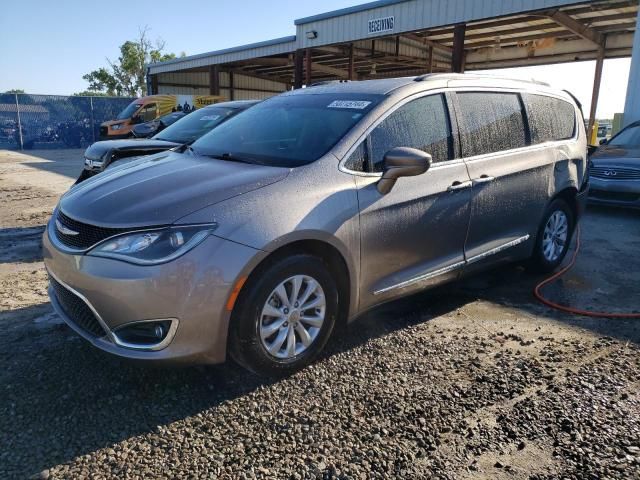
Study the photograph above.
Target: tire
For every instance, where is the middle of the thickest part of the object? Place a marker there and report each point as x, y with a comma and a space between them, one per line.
246, 345
549, 254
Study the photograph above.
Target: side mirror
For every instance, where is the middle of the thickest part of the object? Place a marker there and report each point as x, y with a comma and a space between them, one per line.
603, 141
402, 162
136, 119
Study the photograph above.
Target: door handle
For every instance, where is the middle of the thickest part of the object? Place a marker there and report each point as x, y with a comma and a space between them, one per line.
484, 179
457, 185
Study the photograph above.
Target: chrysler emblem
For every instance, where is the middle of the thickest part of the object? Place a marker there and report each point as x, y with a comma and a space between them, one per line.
610, 173
64, 230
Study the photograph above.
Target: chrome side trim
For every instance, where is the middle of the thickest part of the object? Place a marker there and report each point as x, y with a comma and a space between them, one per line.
454, 266
153, 347
498, 249
424, 276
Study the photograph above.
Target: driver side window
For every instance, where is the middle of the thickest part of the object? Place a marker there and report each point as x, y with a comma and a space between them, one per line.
422, 123
149, 112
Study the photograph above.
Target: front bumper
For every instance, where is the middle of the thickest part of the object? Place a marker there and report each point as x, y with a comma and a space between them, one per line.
618, 193
192, 291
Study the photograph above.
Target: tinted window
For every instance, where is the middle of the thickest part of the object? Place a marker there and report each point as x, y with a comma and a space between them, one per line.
129, 111
627, 137
196, 124
491, 122
171, 118
550, 118
422, 123
287, 130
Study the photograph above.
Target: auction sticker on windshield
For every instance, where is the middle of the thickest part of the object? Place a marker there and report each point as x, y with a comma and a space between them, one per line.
357, 104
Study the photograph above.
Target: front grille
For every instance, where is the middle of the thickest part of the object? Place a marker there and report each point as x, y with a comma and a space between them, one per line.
87, 235
76, 309
615, 173
616, 196
103, 132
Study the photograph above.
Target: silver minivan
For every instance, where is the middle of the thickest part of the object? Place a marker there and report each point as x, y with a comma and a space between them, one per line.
311, 208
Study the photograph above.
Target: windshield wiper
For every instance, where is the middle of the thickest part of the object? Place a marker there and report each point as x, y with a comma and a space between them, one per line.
183, 148
232, 158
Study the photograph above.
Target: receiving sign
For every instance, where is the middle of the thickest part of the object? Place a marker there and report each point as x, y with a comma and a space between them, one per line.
378, 25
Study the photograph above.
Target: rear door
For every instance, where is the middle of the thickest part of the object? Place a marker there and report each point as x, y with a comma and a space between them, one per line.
414, 235
510, 178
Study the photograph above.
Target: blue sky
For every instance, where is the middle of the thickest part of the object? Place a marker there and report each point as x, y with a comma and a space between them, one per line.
46, 46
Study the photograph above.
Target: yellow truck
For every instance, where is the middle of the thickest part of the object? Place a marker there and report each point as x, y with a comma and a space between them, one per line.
149, 108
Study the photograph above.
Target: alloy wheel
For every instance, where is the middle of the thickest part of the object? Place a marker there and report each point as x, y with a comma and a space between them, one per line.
292, 317
555, 235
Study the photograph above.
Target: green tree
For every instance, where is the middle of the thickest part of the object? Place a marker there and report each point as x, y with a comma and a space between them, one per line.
127, 75
90, 93
15, 90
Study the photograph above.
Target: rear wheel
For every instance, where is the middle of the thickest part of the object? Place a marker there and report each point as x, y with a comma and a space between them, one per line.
284, 316
554, 237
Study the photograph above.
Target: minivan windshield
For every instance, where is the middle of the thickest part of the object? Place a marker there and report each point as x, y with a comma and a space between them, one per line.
627, 137
287, 130
195, 124
129, 111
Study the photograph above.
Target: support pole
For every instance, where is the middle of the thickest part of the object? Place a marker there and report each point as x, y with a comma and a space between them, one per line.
232, 93
154, 84
307, 67
214, 80
351, 64
298, 70
430, 60
457, 61
632, 103
596, 90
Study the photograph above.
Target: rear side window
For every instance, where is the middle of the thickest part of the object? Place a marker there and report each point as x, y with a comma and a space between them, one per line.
550, 119
490, 122
422, 123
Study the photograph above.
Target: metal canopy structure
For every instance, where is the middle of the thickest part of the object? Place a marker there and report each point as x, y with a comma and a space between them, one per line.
391, 38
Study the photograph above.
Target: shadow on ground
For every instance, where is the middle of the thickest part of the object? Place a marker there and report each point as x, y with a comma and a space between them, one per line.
52, 379
50, 369
21, 245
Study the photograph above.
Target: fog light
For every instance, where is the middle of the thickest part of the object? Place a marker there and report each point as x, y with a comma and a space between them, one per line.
159, 331
145, 335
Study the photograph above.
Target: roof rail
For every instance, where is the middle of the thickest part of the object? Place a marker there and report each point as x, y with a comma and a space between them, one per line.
328, 82
454, 76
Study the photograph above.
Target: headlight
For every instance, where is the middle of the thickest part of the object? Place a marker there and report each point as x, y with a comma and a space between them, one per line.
117, 126
153, 247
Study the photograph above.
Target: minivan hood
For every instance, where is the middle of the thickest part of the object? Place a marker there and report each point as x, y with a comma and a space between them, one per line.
162, 188
98, 150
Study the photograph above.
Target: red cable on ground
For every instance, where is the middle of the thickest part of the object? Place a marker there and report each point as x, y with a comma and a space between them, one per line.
564, 308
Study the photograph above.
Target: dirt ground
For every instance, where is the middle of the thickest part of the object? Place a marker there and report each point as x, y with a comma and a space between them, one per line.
472, 380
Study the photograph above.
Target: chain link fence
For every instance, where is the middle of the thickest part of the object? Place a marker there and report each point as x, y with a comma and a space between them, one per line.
54, 121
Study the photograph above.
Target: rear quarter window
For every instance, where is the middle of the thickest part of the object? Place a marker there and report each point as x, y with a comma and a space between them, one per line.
490, 122
550, 119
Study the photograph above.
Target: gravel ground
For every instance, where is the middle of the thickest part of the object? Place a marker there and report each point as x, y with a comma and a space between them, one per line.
472, 380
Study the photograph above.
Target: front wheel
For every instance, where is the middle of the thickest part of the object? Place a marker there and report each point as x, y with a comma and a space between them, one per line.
554, 237
284, 316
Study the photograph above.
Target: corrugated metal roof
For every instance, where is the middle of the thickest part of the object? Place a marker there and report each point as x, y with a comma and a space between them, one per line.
346, 11
349, 25
242, 52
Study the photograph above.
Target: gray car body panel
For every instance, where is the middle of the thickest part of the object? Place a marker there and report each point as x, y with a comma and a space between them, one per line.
615, 157
418, 235
160, 189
